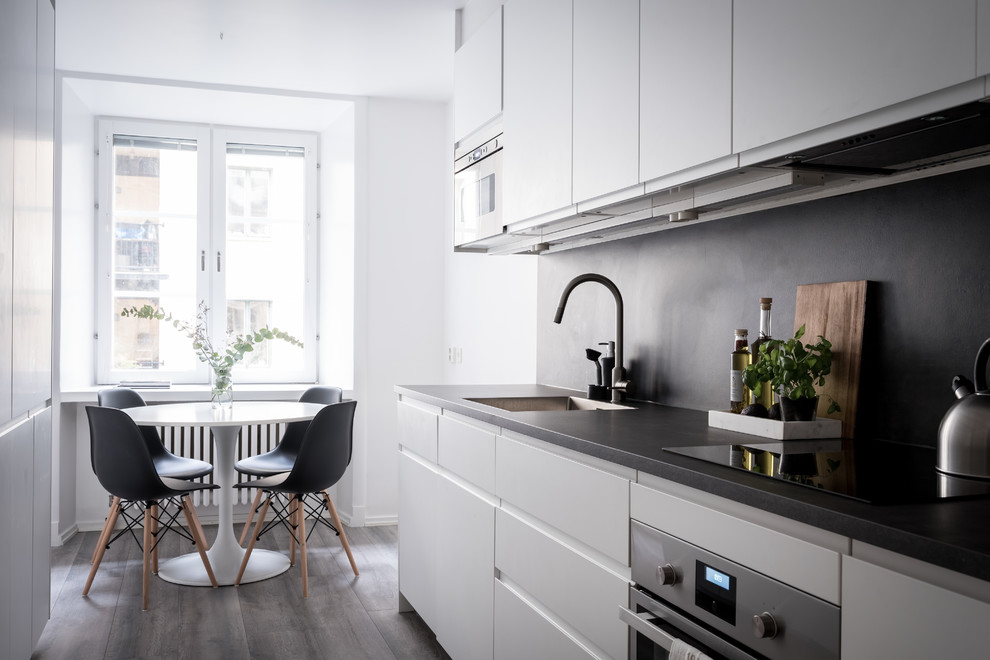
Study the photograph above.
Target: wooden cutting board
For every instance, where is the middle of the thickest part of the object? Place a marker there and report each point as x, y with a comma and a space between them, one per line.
836, 310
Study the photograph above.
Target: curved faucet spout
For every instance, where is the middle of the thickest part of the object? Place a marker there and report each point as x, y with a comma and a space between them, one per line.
618, 373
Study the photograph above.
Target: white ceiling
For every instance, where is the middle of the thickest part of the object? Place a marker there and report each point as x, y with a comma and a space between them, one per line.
390, 48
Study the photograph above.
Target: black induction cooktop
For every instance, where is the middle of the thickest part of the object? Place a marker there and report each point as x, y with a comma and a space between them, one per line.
875, 471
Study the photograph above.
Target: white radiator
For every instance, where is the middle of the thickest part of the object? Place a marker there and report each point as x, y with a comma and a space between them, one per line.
195, 442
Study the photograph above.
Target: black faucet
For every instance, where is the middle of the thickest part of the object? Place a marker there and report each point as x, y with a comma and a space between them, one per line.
619, 382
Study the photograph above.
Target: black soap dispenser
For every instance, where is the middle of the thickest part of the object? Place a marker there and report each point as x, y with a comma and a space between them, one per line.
608, 363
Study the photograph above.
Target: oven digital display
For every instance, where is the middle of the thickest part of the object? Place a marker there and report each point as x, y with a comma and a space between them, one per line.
717, 578
715, 592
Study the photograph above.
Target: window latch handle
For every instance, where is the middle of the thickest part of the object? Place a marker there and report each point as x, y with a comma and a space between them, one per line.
202, 261
218, 261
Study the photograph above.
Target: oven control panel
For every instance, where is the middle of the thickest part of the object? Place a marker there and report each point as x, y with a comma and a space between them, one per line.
757, 611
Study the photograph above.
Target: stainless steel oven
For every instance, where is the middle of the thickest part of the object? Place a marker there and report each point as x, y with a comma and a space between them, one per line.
478, 187
688, 599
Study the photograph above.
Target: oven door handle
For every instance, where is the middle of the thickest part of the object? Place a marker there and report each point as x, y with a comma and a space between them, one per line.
641, 624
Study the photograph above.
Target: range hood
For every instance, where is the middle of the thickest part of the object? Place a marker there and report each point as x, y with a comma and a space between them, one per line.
935, 139
926, 145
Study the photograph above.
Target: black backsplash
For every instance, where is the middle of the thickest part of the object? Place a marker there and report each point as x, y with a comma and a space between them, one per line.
924, 245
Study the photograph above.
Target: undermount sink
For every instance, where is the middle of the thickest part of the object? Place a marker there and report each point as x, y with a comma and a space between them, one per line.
547, 403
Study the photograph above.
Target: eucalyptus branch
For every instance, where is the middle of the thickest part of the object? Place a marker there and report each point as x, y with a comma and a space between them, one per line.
220, 361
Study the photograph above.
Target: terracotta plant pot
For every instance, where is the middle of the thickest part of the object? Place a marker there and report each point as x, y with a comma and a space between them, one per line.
798, 410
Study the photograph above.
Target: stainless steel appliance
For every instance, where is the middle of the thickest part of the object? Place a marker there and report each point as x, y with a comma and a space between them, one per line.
684, 593
964, 434
478, 188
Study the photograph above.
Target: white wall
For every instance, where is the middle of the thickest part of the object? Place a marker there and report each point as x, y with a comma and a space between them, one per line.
412, 296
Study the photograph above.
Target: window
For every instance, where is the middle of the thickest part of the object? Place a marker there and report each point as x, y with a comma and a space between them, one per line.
190, 214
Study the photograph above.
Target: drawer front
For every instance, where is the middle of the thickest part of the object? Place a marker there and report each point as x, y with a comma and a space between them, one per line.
586, 503
889, 615
522, 632
468, 451
791, 560
579, 591
418, 430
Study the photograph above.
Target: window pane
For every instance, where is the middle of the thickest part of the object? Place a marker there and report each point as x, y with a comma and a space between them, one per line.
266, 266
154, 249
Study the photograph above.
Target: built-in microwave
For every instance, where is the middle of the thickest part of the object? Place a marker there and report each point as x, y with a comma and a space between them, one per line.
478, 188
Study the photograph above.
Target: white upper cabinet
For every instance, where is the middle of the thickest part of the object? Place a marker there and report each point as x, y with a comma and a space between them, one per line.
478, 78
983, 38
685, 84
606, 96
537, 114
801, 65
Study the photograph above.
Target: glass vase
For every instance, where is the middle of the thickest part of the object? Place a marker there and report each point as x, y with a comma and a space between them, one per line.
222, 394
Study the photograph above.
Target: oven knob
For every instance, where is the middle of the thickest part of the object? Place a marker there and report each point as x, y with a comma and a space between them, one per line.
764, 626
666, 575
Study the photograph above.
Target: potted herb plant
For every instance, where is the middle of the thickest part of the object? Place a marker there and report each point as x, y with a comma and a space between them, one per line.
221, 360
793, 369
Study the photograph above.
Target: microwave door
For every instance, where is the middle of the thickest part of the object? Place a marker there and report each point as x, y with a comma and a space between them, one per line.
477, 202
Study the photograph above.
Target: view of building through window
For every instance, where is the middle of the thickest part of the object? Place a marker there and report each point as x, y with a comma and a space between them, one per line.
157, 258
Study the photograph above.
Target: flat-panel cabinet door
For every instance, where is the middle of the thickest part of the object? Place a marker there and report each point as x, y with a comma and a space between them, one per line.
523, 632
889, 615
606, 97
536, 117
417, 535
465, 567
685, 84
478, 78
42, 523
801, 65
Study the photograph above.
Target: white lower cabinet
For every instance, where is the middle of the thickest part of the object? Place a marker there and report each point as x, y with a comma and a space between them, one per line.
581, 595
417, 534
521, 631
886, 614
465, 559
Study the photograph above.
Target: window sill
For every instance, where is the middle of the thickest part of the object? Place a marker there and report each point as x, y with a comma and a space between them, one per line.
175, 393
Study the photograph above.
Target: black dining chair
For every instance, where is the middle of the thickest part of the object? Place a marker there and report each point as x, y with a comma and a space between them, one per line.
283, 456
124, 467
167, 463
324, 454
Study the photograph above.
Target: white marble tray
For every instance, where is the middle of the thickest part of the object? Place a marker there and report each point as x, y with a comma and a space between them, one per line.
771, 428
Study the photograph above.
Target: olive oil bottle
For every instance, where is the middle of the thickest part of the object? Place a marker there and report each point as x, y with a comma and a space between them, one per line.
765, 394
738, 392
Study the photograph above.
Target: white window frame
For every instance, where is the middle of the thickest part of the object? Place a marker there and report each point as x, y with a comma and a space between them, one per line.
211, 241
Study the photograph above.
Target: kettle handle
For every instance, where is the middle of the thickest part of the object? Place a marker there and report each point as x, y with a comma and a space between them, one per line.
980, 369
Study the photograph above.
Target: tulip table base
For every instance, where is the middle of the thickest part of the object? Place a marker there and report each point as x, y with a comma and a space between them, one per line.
225, 554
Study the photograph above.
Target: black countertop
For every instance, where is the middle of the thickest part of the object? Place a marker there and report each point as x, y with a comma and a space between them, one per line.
951, 533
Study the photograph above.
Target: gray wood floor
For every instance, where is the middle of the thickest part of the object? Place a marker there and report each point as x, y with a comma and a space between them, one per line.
344, 617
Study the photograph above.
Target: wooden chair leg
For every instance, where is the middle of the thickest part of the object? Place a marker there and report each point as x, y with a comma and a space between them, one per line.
340, 528
146, 559
302, 547
107, 530
254, 507
155, 513
254, 538
293, 515
100, 549
195, 521
197, 533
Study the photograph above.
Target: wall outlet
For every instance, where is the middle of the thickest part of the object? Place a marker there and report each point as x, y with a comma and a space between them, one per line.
454, 354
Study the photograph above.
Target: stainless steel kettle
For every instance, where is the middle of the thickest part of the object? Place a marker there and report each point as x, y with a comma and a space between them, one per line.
964, 435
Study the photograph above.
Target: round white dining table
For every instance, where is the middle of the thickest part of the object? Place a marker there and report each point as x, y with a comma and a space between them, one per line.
225, 423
